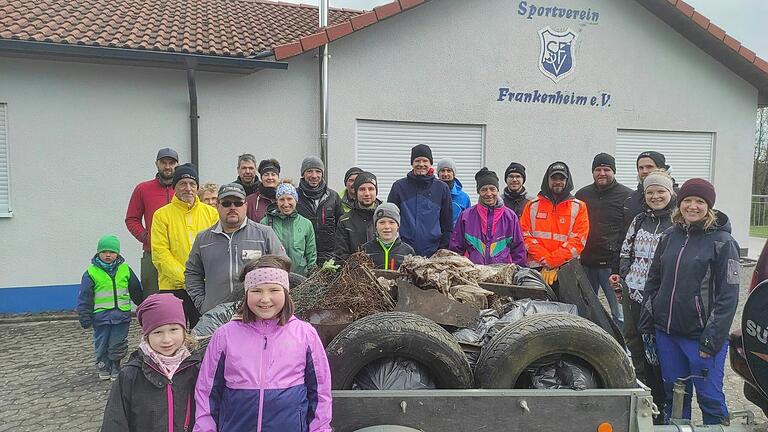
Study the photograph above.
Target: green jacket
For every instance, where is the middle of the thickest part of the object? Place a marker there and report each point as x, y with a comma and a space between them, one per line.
297, 236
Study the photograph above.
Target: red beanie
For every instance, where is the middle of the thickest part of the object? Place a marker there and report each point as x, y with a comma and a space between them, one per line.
697, 187
160, 309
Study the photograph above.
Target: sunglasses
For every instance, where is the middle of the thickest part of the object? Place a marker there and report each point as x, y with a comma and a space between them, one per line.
232, 203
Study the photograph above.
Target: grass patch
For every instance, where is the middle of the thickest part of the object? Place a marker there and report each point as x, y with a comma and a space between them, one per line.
758, 231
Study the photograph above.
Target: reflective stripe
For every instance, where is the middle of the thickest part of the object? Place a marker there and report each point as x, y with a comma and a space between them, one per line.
560, 237
533, 212
575, 206
542, 235
574, 252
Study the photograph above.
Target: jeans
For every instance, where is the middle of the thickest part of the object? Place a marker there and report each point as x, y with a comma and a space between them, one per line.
148, 275
598, 277
106, 338
679, 358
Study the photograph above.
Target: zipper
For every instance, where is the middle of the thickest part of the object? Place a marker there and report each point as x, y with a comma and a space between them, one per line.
261, 385
488, 229
169, 392
186, 417
698, 310
114, 289
323, 216
674, 284
229, 250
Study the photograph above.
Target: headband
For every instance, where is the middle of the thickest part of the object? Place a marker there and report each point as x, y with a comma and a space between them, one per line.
266, 275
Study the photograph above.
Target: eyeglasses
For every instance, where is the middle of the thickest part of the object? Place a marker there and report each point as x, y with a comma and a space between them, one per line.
232, 203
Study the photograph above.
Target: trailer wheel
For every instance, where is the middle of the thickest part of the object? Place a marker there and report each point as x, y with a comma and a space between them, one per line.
517, 346
398, 334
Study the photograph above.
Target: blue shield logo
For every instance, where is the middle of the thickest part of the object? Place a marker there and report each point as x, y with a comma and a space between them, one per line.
556, 60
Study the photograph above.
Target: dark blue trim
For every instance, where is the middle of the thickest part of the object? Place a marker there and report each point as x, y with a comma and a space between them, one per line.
310, 380
48, 298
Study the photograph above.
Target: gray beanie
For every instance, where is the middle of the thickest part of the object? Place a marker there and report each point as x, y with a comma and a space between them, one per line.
388, 210
446, 163
659, 178
312, 162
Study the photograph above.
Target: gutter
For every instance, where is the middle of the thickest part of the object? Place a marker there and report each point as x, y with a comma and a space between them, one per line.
193, 115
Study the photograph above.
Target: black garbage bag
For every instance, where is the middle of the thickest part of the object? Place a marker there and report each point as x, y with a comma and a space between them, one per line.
214, 318
529, 277
393, 373
563, 374
527, 307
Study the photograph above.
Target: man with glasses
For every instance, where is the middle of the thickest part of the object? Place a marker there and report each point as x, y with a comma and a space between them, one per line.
220, 252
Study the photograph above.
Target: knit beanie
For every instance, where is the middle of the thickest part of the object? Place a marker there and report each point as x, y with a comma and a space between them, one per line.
604, 160
486, 177
656, 157
160, 309
312, 162
108, 243
269, 165
286, 189
446, 163
659, 178
421, 150
386, 210
697, 187
350, 172
265, 275
365, 177
185, 171
515, 167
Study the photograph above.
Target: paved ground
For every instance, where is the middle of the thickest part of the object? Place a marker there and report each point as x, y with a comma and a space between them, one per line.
48, 381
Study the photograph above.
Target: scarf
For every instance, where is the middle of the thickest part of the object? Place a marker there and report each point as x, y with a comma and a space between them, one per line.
514, 196
310, 192
163, 181
267, 192
168, 364
109, 268
450, 183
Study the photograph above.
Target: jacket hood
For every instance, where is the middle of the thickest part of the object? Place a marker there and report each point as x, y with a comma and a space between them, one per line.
423, 180
722, 223
568, 184
277, 213
457, 186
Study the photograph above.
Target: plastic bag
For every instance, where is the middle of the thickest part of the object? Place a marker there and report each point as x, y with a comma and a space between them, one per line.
213, 319
393, 373
563, 374
529, 277
527, 307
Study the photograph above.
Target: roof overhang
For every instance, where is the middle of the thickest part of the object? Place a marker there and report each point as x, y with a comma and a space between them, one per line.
134, 57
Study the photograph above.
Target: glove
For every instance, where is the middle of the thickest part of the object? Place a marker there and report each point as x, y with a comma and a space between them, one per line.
549, 275
86, 322
649, 345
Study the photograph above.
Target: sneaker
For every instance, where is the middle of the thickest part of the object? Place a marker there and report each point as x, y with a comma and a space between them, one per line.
104, 375
114, 375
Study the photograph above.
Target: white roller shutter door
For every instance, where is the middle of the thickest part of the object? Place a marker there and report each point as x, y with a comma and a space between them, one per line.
384, 148
689, 154
5, 187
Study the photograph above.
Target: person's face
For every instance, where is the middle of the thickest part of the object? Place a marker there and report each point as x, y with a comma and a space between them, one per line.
446, 174
556, 183
232, 211
107, 256
489, 195
366, 194
657, 197
386, 229
186, 190
421, 165
693, 209
351, 185
270, 179
645, 166
247, 171
266, 300
166, 339
166, 166
603, 176
313, 177
209, 197
515, 182
286, 204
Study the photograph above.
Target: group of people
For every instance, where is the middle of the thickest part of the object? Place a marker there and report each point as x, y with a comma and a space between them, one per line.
663, 251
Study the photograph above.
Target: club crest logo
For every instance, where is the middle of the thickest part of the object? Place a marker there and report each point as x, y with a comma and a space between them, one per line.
556, 59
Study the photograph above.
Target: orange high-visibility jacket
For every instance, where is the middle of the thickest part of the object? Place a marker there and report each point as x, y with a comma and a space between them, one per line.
553, 234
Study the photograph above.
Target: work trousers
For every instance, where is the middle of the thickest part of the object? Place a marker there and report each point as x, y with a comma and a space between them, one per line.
106, 341
599, 278
148, 275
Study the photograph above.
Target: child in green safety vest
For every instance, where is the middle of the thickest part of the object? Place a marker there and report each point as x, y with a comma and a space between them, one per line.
387, 250
104, 303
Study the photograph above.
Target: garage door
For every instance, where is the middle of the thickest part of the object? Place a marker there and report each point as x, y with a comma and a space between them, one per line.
384, 148
689, 154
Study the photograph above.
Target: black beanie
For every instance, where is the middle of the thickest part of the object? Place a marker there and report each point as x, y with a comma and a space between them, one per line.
656, 157
486, 177
365, 177
269, 165
421, 150
604, 160
350, 172
515, 167
185, 171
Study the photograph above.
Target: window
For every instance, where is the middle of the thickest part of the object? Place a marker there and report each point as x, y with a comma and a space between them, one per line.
5, 170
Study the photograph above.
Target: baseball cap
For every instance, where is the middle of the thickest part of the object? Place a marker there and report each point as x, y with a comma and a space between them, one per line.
231, 189
167, 153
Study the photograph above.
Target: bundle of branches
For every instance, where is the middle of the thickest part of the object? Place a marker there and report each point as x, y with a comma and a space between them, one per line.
312, 291
357, 289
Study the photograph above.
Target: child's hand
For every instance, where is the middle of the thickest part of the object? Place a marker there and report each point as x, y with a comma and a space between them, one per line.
86, 323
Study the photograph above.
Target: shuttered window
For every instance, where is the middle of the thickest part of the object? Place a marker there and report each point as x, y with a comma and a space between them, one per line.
689, 154
5, 170
384, 148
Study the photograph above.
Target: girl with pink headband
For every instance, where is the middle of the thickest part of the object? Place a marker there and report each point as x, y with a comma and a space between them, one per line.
266, 371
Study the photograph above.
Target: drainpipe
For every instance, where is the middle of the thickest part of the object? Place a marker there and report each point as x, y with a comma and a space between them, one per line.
193, 116
323, 9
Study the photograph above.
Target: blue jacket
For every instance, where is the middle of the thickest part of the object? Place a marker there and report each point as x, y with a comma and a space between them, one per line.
459, 199
426, 219
112, 316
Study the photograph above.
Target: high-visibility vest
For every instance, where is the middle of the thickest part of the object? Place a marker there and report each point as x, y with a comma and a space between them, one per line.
108, 292
554, 234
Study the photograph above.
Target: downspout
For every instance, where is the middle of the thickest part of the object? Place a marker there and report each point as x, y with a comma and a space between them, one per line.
323, 9
193, 116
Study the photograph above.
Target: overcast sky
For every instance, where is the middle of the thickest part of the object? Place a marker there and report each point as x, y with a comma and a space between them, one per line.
742, 19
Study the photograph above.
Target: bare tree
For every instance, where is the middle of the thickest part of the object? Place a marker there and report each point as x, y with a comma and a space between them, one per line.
760, 167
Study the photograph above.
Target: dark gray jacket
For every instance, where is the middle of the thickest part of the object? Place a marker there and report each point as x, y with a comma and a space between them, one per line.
216, 260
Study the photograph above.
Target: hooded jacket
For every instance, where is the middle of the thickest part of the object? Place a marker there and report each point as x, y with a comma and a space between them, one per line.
85, 298
516, 201
489, 235
606, 224
216, 259
426, 212
139, 399
174, 229
298, 238
459, 199
692, 288
555, 228
261, 376
259, 203
355, 229
387, 259
146, 198
639, 246
322, 207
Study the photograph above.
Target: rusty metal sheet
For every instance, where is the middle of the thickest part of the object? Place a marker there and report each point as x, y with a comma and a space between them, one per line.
434, 305
329, 322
